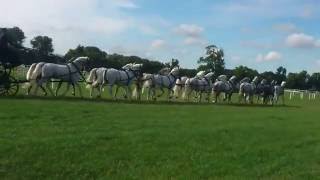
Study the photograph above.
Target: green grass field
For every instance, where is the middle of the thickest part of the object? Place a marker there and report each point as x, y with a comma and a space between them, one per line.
69, 138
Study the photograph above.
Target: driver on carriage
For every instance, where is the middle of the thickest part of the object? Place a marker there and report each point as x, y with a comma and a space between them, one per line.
9, 54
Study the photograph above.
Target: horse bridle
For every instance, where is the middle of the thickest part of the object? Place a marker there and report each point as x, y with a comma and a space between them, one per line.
77, 70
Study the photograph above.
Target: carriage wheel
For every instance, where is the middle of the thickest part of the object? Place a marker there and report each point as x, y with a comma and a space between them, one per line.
10, 87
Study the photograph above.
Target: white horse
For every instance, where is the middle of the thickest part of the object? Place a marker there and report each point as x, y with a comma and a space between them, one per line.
247, 90
279, 91
122, 78
95, 79
199, 85
146, 81
70, 73
163, 81
179, 86
28, 85
31, 82
223, 86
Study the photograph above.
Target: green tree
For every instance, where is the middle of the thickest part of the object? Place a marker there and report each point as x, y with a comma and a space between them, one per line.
15, 37
11, 48
173, 63
214, 60
42, 44
243, 71
314, 81
280, 74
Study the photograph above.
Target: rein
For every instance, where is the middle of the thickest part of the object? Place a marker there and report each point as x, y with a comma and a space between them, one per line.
78, 71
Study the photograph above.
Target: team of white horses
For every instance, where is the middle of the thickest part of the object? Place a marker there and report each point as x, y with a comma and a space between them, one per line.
130, 76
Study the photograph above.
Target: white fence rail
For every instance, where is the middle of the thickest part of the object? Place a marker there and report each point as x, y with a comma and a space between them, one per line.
311, 95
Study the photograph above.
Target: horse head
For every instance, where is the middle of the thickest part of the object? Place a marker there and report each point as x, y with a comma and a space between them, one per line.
127, 66
136, 67
283, 84
175, 71
200, 74
81, 62
222, 78
209, 75
263, 82
164, 71
233, 79
255, 80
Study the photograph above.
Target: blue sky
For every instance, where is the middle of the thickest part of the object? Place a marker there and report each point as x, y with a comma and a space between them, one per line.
261, 34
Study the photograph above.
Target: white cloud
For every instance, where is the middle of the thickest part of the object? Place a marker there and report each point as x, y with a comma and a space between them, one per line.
307, 12
318, 63
189, 30
255, 44
192, 34
235, 58
158, 44
301, 40
286, 27
194, 41
271, 56
70, 22
125, 4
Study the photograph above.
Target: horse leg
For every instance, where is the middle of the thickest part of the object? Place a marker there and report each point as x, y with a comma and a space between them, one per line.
116, 92
128, 93
49, 88
162, 92
73, 89
216, 95
110, 92
65, 92
80, 90
58, 87
100, 88
154, 95
29, 89
208, 97
200, 97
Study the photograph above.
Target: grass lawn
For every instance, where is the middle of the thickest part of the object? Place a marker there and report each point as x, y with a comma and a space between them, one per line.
81, 139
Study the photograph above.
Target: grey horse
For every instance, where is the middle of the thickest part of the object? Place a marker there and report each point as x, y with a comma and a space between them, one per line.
70, 73
247, 90
279, 91
199, 85
226, 87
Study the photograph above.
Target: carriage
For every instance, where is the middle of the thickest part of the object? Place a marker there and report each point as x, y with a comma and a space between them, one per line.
8, 58
9, 86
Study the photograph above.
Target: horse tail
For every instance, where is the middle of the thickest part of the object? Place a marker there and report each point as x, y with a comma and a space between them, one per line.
30, 71
28, 75
147, 78
177, 88
135, 92
37, 71
92, 78
241, 89
92, 75
187, 88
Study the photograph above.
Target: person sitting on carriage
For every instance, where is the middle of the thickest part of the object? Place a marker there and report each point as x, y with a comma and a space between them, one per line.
9, 53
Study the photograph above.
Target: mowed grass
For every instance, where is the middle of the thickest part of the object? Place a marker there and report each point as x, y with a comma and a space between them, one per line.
83, 139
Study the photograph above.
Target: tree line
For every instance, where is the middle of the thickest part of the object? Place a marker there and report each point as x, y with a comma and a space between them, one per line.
14, 52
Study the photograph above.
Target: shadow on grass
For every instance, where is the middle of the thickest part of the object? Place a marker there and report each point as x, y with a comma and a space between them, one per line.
143, 102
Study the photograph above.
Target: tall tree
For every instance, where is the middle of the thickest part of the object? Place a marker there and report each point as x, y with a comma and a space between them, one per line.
173, 63
11, 47
42, 44
214, 60
243, 71
15, 36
